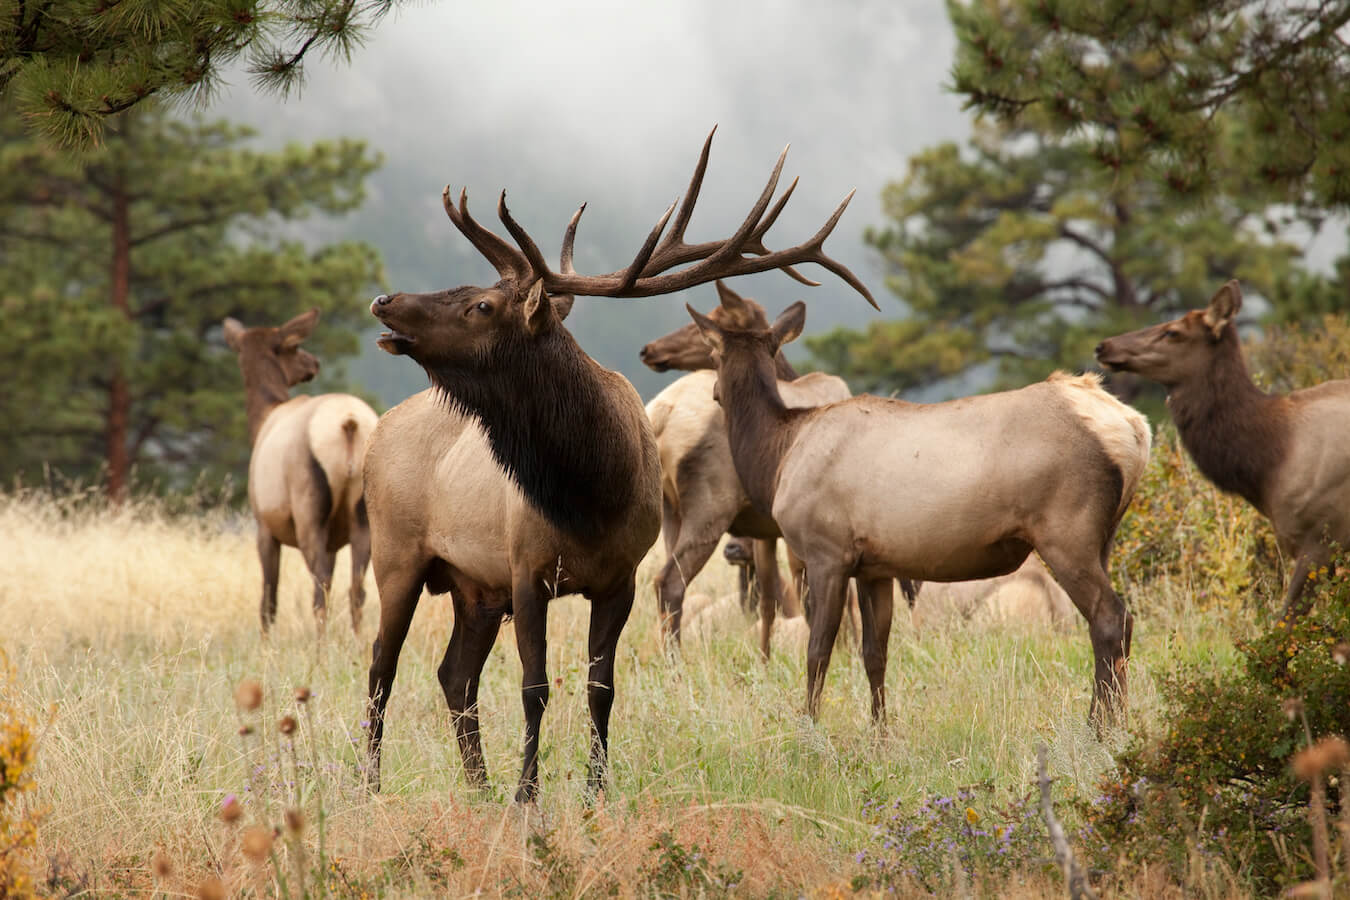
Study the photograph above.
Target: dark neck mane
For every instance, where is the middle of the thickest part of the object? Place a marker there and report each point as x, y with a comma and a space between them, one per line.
552, 424
265, 388
783, 369
759, 426
1236, 433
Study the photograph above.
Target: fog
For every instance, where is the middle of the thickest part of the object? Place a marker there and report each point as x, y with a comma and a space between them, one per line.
608, 103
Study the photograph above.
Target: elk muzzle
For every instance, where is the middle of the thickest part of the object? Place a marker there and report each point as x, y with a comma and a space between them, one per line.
393, 341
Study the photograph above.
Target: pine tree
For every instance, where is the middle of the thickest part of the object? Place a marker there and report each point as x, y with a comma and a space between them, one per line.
1159, 87
116, 269
1020, 252
68, 65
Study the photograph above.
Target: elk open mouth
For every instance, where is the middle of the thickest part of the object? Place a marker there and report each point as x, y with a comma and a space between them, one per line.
395, 342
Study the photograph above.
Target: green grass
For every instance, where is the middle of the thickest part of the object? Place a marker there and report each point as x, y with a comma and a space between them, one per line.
128, 632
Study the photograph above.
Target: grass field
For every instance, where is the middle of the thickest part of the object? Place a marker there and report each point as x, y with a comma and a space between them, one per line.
128, 631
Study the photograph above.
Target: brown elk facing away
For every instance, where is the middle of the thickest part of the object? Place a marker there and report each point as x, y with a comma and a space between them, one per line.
579, 504
304, 476
881, 488
1287, 455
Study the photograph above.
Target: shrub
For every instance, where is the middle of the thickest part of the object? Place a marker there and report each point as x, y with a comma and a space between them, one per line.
18, 822
1215, 788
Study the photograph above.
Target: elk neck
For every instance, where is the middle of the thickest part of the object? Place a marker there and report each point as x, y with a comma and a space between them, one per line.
1237, 434
265, 388
783, 369
760, 428
555, 425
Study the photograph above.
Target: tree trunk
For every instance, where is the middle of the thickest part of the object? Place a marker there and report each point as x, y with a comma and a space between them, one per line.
119, 393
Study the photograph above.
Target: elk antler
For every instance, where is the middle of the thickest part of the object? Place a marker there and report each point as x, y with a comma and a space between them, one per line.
648, 274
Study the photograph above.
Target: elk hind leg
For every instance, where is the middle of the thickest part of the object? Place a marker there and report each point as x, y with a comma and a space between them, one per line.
1110, 626
360, 543
876, 602
691, 554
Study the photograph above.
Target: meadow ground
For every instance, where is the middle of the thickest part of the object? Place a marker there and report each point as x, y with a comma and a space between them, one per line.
127, 633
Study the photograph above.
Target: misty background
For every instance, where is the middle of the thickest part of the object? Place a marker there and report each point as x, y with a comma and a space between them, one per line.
608, 103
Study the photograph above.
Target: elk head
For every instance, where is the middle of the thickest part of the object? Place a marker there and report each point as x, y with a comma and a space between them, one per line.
1179, 350
466, 329
744, 356
274, 354
684, 348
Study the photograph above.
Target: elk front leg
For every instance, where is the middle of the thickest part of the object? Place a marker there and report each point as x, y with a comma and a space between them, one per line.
269, 554
876, 601
828, 586
529, 606
400, 588
609, 613
691, 555
770, 589
475, 631
1299, 597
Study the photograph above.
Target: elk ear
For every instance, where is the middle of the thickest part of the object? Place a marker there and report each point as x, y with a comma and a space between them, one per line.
299, 328
729, 299
788, 326
562, 304
538, 308
712, 335
1223, 306
233, 330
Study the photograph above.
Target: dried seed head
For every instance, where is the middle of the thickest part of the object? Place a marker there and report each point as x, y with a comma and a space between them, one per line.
295, 821
161, 865
1293, 708
248, 695
302, 695
245, 730
1341, 653
256, 842
1328, 754
230, 810
211, 889
287, 725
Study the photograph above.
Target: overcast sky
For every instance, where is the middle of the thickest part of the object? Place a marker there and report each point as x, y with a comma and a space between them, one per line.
608, 103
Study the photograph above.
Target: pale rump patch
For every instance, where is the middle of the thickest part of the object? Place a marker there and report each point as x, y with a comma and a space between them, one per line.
338, 431
1122, 429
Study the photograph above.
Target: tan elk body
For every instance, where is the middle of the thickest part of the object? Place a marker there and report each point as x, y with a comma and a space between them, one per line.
701, 494
304, 474
880, 488
530, 471
1288, 455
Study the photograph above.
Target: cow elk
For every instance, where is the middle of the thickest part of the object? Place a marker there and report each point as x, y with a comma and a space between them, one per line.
879, 488
1287, 455
304, 476
531, 471
701, 495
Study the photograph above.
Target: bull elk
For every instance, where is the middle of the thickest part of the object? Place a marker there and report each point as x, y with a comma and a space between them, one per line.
1287, 455
880, 488
304, 475
577, 503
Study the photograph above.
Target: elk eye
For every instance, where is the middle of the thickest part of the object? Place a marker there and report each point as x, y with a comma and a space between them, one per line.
1172, 333
484, 306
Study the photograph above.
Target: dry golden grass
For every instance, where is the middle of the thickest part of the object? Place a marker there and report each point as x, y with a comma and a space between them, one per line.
136, 628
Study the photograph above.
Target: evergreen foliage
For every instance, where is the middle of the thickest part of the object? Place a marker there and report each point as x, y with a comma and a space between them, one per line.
1159, 88
1019, 250
116, 269
69, 65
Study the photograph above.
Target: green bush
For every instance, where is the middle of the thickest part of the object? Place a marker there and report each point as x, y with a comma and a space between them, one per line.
1215, 788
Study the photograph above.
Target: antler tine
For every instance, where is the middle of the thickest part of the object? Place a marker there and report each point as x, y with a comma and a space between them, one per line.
676, 235
569, 237
538, 268
755, 243
507, 260
734, 245
817, 245
630, 275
